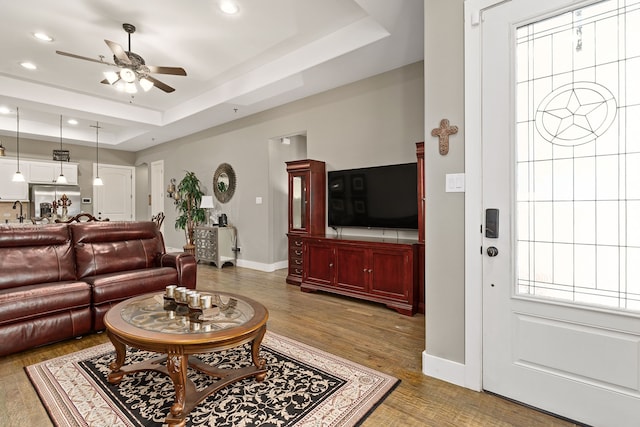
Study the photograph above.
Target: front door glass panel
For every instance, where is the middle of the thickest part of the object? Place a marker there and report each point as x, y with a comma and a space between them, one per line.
578, 156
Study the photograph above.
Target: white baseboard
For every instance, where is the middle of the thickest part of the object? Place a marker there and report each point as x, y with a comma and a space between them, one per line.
249, 264
443, 369
262, 266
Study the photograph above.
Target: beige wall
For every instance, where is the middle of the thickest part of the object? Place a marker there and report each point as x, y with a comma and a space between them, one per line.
375, 121
444, 98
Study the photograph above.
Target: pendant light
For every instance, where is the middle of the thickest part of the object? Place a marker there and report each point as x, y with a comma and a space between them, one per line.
61, 179
97, 181
18, 177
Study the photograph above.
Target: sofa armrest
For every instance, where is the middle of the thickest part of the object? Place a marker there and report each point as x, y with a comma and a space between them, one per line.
184, 263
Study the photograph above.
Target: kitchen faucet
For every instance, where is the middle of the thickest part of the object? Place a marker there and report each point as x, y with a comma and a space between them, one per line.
21, 217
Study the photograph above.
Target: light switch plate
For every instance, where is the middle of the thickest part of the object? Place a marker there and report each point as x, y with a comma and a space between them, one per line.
454, 183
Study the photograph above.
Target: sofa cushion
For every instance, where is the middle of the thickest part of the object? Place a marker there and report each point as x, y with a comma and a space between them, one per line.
43, 330
35, 254
33, 301
109, 247
118, 286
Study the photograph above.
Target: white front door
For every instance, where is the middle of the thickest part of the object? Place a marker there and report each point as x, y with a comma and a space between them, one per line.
114, 199
561, 163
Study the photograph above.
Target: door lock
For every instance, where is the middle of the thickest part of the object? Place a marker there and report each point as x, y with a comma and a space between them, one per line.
492, 251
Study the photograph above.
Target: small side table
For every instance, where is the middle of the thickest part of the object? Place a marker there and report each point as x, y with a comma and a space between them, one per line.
216, 244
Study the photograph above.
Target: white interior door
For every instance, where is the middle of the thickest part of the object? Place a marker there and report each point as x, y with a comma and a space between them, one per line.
561, 162
114, 199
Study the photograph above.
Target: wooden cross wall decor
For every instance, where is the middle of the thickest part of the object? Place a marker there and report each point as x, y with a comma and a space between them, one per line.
443, 133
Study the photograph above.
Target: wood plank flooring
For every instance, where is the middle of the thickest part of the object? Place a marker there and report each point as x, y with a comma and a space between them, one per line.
366, 333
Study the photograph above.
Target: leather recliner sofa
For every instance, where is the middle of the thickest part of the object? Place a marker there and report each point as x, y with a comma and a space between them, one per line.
57, 281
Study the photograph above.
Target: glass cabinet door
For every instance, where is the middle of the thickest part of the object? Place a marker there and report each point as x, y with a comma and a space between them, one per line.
298, 202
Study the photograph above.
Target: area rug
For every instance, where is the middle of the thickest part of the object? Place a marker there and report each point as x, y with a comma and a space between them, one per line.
304, 387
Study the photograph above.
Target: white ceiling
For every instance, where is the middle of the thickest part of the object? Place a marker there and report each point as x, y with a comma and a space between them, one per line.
270, 53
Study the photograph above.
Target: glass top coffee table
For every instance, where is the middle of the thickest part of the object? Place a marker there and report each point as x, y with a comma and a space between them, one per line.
178, 331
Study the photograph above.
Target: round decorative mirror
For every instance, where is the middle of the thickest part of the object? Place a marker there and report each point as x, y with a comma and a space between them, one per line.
224, 182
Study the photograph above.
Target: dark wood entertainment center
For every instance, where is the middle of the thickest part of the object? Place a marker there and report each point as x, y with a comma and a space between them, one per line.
383, 270
379, 270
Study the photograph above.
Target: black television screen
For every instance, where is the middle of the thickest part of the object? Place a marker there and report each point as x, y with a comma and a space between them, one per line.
375, 197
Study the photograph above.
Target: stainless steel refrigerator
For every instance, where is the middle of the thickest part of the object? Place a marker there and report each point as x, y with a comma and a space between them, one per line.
41, 197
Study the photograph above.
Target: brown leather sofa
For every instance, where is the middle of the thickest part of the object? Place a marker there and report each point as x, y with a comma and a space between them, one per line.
58, 280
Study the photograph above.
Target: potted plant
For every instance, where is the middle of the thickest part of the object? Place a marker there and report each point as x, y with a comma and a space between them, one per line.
188, 205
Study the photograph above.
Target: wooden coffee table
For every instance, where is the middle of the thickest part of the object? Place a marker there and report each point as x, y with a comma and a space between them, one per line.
142, 322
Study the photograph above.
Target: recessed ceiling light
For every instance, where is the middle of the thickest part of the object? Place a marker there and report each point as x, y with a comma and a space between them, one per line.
43, 37
4, 110
28, 65
72, 121
229, 7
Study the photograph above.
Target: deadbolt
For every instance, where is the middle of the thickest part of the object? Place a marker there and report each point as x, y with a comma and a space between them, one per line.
492, 251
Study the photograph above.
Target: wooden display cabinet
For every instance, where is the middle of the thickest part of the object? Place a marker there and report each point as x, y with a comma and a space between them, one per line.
373, 269
307, 190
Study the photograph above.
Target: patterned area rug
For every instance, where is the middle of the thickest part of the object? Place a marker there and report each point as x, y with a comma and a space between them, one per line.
304, 387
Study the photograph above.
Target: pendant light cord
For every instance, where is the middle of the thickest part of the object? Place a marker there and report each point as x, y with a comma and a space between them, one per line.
97, 181
60, 144
97, 161
18, 136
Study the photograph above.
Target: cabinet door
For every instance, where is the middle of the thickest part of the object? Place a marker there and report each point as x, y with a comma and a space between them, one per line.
392, 274
9, 190
226, 245
42, 172
70, 172
352, 270
47, 172
318, 263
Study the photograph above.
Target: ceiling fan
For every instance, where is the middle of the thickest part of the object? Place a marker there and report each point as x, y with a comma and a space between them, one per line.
132, 67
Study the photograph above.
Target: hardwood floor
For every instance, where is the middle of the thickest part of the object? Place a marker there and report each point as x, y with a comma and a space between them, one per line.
363, 332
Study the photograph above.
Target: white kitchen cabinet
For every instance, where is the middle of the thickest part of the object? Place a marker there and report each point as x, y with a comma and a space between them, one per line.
11, 191
47, 172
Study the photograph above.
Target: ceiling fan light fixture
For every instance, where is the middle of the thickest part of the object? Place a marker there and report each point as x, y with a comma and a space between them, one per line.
128, 75
111, 76
146, 84
130, 88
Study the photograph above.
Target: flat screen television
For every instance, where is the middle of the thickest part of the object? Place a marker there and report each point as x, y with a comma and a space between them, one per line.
374, 197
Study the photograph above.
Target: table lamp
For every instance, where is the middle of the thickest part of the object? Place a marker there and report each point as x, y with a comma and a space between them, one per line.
207, 203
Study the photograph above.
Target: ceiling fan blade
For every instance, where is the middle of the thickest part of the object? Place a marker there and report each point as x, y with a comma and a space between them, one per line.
73, 55
162, 86
176, 71
118, 51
